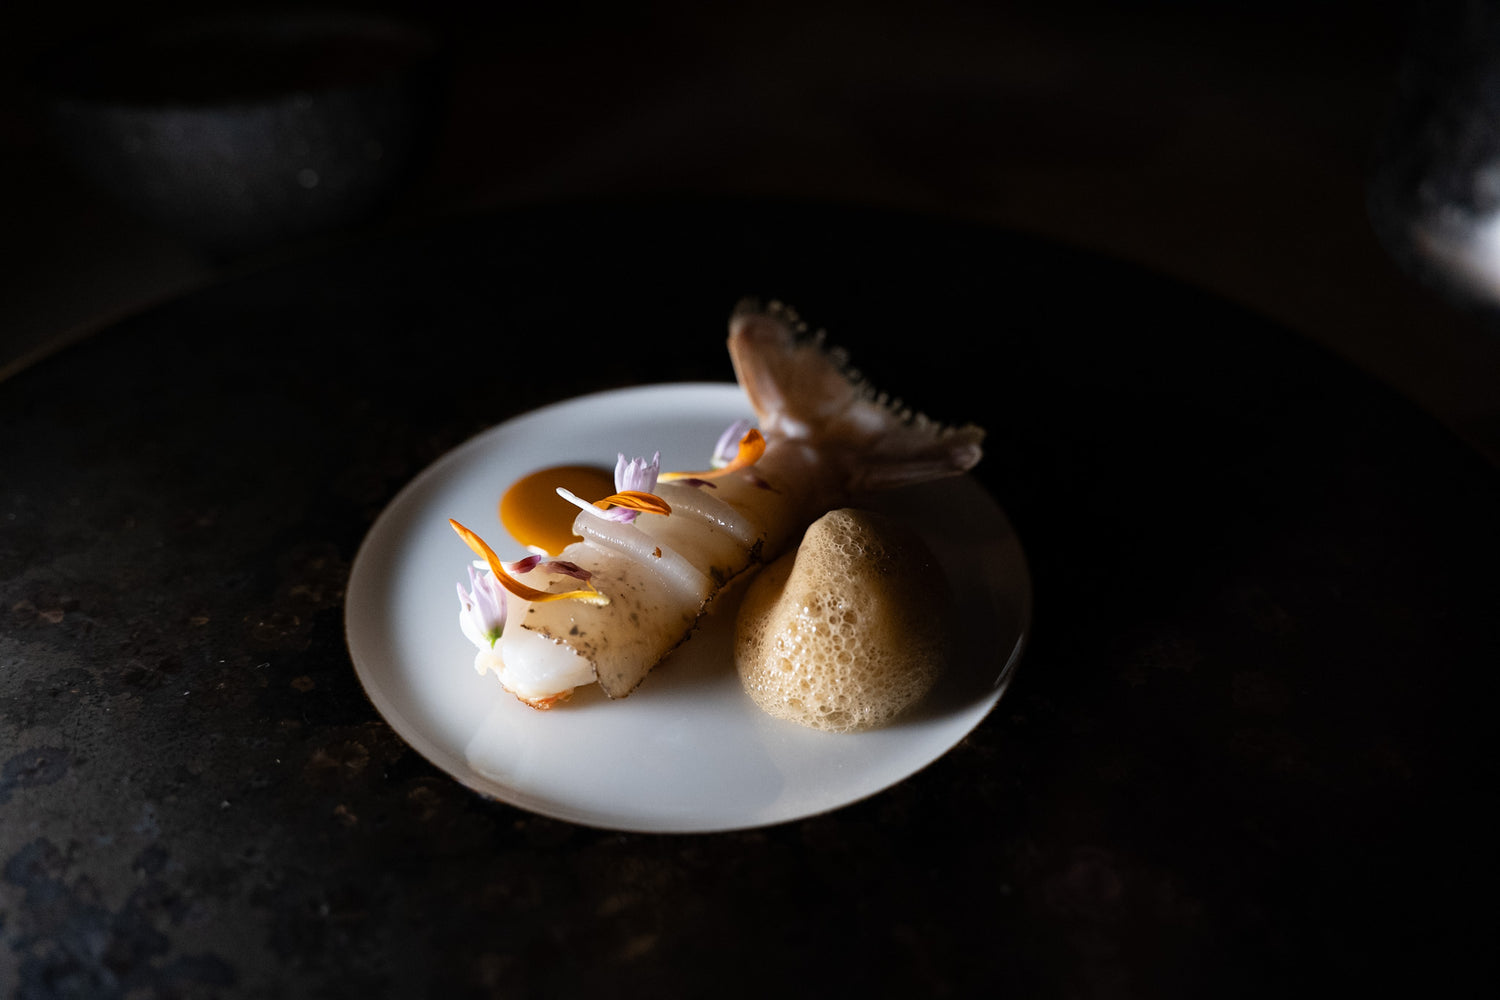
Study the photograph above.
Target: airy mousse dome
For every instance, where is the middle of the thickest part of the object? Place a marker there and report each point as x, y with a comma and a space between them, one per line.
850, 630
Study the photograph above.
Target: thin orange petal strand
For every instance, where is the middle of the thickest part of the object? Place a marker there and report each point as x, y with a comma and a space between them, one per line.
648, 503
510, 583
752, 446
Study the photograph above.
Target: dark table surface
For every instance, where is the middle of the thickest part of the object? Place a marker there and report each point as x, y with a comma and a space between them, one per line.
1244, 753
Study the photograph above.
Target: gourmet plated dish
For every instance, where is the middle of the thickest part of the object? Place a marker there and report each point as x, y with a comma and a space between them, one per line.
650, 556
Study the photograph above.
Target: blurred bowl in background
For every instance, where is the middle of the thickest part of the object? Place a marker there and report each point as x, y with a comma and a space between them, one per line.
248, 132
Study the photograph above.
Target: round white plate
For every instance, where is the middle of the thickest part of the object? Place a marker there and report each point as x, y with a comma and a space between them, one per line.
687, 751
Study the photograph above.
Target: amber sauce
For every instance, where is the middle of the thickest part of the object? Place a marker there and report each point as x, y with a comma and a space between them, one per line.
537, 517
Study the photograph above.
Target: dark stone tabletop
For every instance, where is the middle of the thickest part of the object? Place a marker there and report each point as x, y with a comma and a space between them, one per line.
1245, 753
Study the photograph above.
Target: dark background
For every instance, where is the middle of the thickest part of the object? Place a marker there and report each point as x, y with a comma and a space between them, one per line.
1129, 825
1225, 144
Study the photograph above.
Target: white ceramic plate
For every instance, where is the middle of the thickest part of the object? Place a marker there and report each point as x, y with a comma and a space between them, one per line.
687, 751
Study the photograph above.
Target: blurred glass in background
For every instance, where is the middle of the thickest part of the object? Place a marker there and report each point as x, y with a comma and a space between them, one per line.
1434, 192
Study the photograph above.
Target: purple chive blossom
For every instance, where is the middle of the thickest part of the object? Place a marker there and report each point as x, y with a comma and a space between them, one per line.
729, 443
484, 605
637, 475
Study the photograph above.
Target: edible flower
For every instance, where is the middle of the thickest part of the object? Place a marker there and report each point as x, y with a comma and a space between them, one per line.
484, 605
634, 481
500, 575
637, 475
747, 451
562, 567
728, 448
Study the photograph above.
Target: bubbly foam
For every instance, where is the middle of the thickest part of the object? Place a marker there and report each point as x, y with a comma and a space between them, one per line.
849, 631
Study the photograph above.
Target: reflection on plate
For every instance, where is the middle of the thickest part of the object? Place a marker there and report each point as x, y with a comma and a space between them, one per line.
688, 751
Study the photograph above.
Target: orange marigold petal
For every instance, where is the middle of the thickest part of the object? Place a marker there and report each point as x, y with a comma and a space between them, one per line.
648, 503
752, 447
510, 583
